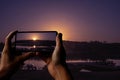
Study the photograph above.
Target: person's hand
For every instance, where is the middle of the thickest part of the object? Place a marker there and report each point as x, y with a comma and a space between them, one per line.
56, 63
8, 62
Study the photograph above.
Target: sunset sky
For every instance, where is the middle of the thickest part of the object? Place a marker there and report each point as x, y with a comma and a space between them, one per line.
78, 20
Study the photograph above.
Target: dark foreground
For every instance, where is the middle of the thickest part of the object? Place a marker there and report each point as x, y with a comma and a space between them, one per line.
44, 75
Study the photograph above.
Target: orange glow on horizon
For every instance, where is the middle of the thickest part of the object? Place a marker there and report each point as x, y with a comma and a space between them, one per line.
64, 31
58, 25
59, 29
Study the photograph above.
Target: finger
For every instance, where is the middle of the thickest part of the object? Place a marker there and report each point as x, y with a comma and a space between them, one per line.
25, 56
58, 49
8, 39
59, 42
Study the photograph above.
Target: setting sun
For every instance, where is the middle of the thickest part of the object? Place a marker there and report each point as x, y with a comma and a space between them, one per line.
34, 38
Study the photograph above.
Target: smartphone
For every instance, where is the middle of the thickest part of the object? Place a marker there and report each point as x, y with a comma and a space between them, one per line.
35, 41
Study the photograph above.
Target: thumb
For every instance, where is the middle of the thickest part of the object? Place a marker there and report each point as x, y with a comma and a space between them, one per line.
59, 42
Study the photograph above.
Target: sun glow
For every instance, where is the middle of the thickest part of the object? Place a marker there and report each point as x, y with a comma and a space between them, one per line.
58, 25
59, 29
34, 38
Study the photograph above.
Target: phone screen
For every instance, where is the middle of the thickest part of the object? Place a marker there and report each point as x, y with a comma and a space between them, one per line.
35, 41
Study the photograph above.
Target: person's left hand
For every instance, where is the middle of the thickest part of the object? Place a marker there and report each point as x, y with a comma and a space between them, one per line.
9, 63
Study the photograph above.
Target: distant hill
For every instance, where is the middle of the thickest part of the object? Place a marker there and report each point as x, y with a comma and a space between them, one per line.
92, 50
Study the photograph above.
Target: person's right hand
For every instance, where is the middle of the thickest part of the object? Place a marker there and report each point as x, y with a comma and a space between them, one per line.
56, 63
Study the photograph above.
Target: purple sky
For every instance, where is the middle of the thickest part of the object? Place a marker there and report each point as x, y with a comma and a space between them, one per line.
78, 20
